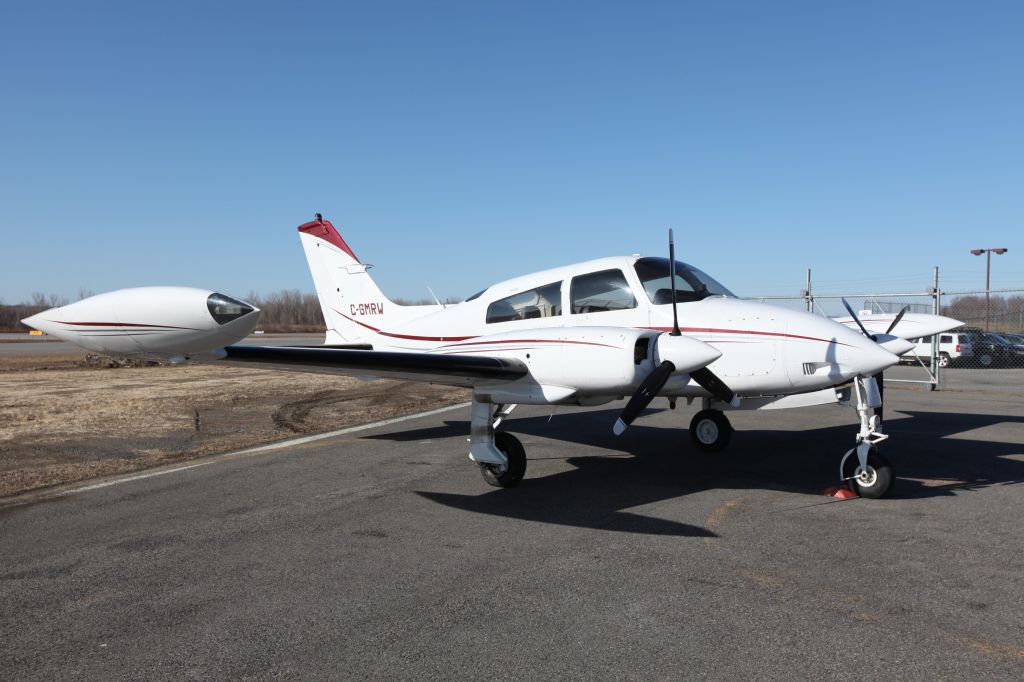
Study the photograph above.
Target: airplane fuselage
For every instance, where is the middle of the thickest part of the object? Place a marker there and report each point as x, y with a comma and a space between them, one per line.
765, 349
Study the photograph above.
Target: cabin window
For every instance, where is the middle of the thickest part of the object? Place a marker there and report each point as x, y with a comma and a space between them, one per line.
600, 292
545, 301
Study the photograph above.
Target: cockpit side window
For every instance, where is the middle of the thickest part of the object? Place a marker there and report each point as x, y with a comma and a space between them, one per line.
599, 292
691, 283
545, 301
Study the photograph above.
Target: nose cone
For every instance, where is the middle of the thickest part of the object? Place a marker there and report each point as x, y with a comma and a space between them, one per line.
844, 354
893, 344
685, 352
869, 358
39, 321
856, 354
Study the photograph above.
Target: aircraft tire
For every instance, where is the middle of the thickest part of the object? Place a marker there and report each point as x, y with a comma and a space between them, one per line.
710, 430
877, 480
513, 449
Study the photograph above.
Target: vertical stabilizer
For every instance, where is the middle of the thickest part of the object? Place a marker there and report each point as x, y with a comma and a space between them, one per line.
354, 307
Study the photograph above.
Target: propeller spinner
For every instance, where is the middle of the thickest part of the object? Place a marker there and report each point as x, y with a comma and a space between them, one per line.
675, 353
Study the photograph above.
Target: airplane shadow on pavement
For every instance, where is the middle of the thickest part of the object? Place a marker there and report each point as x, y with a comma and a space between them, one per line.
664, 465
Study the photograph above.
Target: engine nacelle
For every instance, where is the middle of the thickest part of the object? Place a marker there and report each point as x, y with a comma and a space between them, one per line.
150, 321
579, 365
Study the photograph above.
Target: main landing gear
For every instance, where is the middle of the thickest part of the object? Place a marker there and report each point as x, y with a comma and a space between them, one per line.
501, 457
710, 429
869, 474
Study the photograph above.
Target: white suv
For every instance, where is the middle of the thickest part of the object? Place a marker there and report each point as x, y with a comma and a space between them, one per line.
953, 347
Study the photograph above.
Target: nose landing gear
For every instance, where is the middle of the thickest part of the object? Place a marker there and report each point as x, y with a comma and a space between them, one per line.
869, 474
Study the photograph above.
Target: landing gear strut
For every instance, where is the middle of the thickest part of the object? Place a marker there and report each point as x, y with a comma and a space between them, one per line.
501, 456
869, 474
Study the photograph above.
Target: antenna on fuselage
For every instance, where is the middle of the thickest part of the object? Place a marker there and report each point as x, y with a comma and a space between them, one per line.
672, 278
436, 299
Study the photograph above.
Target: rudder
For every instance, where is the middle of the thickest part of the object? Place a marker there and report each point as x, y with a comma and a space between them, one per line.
354, 307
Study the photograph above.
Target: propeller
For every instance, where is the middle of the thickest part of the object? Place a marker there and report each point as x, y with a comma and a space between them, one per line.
856, 319
672, 280
879, 378
892, 325
896, 320
649, 388
678, 353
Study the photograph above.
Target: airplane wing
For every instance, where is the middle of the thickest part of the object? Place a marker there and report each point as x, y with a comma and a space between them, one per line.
910, 326
449, 370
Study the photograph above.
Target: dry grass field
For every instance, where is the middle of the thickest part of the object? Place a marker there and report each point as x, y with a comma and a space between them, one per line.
62, 421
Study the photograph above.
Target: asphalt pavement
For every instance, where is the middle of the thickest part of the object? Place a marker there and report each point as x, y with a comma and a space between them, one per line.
382, 554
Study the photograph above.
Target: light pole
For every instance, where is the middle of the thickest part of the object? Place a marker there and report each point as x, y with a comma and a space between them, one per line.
988, 270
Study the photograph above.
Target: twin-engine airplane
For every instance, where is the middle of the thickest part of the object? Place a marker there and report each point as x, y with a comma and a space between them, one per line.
583, 334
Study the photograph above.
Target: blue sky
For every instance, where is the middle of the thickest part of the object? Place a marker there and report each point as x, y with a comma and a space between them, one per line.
455, 144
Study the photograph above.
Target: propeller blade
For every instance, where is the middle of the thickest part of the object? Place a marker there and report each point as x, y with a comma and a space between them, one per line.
672, 279
856, 319
899, 316
713, 385
649, 388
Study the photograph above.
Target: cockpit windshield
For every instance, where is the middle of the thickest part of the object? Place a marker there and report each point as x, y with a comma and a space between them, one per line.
224, 309
691, 283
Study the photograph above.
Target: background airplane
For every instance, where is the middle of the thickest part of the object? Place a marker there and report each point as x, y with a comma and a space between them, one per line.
582, 334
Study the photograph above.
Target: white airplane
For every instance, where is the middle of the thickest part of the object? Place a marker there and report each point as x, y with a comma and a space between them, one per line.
583, 334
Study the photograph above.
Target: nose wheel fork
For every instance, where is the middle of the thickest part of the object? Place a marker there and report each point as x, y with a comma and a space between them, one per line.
869, 473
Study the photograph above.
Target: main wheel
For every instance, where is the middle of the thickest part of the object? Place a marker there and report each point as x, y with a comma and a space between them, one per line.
509, 475
872, 482
710, 430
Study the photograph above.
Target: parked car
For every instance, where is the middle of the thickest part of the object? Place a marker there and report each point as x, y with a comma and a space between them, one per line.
999, 351
954, 347
1015, 339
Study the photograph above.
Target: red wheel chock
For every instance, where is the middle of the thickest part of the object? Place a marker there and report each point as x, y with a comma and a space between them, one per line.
840, 492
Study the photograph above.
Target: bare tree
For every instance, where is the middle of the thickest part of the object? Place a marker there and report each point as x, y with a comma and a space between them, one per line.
288, 310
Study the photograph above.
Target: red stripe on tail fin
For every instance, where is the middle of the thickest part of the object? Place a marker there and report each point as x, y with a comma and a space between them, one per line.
323, 229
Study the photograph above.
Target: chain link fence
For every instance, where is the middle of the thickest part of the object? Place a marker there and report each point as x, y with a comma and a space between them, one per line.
992, 337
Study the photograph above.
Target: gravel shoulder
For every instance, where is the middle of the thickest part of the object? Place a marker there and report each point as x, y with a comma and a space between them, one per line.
62, 421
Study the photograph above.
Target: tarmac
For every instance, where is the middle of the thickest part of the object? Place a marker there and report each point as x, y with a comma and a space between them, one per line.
381, 554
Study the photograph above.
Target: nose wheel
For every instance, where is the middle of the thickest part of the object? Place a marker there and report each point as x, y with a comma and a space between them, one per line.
710, 430
872, 480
